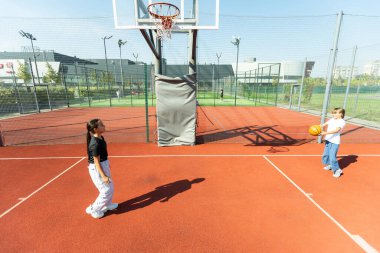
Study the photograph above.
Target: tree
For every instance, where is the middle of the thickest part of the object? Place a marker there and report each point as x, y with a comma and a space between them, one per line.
51, 76
23, 73
308, 87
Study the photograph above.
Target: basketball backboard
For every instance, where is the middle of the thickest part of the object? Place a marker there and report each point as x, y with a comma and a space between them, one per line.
194, 14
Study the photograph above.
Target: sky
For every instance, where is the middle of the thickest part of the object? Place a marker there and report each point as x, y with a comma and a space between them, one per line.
270, 30
93, 8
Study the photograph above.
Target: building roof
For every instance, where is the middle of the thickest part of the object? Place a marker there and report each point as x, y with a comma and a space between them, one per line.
45, 56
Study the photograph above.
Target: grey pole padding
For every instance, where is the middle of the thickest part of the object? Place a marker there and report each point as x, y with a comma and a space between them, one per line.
176, 110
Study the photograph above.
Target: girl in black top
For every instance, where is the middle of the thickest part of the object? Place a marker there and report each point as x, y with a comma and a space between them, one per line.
99, 169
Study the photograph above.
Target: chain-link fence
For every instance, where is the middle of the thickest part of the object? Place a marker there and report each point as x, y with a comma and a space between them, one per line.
284, 62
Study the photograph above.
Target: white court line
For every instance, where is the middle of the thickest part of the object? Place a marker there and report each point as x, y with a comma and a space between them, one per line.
30, 195
152, 156
231, 155
361, 242
368, 248
42, 157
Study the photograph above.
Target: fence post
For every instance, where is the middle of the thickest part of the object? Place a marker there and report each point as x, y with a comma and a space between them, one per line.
350, 77
357, 97
146, 102
249, 84
278, 81
213, 81
16, 91
301, 88
330, 72
130, 80
261, 83
245, 82
63, 81
48, 95
88, 90
77, 78
257, 83
34, 86
268, 81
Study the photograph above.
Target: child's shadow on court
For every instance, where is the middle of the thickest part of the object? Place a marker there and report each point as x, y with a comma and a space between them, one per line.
162, 194
345, 161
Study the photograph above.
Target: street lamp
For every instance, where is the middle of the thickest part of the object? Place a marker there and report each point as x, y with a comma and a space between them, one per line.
105, 54
31, 37
135, 56
114, 71
236, 42
121, 43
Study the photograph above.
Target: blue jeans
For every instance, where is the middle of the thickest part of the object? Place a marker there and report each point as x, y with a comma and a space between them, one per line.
329, 155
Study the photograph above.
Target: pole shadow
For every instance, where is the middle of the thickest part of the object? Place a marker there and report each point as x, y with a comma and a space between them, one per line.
161, 194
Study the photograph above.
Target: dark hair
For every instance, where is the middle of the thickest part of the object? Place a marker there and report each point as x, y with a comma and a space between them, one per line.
340, 110
91, 125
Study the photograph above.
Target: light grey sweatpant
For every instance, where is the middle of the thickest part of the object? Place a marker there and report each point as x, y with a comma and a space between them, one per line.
105, 189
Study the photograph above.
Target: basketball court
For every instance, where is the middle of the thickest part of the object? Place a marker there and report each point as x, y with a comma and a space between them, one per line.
188, 178
218, 198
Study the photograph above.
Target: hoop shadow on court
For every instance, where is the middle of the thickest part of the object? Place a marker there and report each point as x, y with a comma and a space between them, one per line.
345, 161
161, 194
254, 135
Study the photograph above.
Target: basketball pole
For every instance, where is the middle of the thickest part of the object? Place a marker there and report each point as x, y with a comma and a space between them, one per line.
193, 51
331, 72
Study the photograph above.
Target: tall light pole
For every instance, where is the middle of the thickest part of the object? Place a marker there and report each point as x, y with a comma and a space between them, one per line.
105, 55
136, 56
121, 43
31, 37
114, 71
236, 42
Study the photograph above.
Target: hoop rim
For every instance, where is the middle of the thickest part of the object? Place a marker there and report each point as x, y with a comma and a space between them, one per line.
158, 16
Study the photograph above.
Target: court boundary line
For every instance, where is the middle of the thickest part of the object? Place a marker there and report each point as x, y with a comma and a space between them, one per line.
184, 155
39, 189
356, 238
42, 157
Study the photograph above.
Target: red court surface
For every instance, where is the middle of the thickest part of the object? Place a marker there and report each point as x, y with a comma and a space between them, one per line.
253, 126
244, 199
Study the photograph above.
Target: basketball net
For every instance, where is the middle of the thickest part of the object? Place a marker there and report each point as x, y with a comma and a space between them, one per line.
164, 28
166, 15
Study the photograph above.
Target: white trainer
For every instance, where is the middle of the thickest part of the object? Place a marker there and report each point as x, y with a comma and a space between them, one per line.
328, 167
110, 207
97, 214
94, 214
89, 209
337, 173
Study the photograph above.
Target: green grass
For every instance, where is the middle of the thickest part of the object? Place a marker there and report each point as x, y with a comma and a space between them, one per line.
366, 106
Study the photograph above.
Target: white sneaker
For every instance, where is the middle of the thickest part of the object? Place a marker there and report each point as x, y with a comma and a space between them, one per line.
337, 173
328, 167
97, 214
110, 207
94, 214
89, 209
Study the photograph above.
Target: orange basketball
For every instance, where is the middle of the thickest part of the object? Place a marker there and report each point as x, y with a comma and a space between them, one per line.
315, 130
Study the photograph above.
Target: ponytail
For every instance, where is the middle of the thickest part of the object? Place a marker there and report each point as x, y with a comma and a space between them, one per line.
91, 125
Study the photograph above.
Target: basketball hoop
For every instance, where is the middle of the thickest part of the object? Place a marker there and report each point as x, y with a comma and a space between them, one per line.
166, 15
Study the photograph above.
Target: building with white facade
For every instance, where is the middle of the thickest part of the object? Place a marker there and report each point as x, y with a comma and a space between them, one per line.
289, 71
372, 68
345, 71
